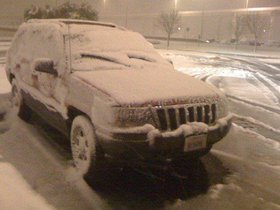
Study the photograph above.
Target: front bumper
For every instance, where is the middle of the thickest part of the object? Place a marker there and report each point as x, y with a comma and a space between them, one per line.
152, 144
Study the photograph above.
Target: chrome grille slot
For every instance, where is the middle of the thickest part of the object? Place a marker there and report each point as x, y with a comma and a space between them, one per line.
191, 114
162, 118
207, 114
182, 115
199, 114
213, 110
167, 118
171, 117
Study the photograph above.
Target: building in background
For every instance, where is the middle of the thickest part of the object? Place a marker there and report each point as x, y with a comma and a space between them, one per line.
200, 19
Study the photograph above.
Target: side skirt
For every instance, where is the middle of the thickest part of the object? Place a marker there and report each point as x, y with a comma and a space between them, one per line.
54, 119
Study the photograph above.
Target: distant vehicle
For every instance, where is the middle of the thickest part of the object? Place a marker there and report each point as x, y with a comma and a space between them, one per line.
210, 41
253, 43
114, 96
154, 41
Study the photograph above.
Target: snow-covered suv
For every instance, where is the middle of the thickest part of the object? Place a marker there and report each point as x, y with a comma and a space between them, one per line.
108, 90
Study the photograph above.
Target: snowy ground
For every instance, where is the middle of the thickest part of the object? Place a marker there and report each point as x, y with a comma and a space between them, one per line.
241, 172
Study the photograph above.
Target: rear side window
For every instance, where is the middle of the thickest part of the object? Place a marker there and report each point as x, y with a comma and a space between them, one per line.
35, 41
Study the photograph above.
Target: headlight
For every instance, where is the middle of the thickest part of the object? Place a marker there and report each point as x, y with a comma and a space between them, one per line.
222, 108
132, 116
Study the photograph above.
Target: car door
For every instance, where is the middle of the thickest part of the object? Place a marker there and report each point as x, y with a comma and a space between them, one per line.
49, 88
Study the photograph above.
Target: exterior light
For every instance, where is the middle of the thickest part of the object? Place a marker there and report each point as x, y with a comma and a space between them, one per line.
175, 4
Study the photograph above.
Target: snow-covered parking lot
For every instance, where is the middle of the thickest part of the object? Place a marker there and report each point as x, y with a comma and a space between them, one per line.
241, 172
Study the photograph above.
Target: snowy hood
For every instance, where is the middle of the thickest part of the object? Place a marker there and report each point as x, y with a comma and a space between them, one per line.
140, 87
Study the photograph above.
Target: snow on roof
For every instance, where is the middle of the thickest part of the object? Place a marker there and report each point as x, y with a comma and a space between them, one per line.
95, 38
73, 21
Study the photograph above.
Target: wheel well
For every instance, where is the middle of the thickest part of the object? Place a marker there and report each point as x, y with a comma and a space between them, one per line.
72, 113
11, 77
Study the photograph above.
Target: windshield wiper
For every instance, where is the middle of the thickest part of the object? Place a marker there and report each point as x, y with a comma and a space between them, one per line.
104, 58
141, 56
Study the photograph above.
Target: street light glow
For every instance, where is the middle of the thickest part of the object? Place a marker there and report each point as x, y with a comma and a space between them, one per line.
247, 3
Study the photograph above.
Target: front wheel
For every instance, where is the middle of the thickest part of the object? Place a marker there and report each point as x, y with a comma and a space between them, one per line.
85, 152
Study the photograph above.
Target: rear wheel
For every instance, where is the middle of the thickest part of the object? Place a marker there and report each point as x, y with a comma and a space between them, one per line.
21, 109
84, 147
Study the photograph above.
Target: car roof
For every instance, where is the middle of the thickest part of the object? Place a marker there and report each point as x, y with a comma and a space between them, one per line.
74, 21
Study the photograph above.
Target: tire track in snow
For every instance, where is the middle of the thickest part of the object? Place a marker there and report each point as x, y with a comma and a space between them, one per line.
257, 126
258, 65
273, 90
269, 108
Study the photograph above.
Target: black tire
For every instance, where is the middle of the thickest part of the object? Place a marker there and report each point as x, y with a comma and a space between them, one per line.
84, 145
22, 110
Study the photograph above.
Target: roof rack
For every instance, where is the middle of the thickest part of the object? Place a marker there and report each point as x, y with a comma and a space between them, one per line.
74, 21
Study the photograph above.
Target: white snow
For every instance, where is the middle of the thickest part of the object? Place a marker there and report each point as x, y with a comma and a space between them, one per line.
93, 38
253, 179
271, 60
249, 110
16, 193
239, 79
143, 86
5, 86
252, 159
267, 141
232, 76
49, 176
254, 121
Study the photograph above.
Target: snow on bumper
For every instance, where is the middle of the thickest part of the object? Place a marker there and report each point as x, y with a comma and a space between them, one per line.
147, 140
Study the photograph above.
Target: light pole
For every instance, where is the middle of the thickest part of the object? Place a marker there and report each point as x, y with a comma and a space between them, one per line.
247, 4
202, 22
175, 4
126, 10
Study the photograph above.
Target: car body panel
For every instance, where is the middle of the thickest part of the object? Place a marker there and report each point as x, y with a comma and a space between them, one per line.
101, 85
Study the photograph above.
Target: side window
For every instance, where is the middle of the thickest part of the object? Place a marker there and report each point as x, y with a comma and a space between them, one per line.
48, 43
12, 52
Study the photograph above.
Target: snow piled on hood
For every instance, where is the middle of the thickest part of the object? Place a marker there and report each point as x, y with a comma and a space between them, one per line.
149, 86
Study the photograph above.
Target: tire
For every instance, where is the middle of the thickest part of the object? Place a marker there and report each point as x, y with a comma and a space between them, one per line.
21, 109
84, 146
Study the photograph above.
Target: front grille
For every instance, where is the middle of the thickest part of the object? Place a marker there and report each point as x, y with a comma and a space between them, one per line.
170, 118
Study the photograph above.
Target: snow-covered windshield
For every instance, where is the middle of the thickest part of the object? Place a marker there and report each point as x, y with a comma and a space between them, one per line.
101, 47
86, 37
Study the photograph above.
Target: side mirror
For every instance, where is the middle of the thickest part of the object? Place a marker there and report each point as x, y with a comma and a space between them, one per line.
45, 65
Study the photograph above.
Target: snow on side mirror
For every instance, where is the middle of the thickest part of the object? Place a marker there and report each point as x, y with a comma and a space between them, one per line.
45, 65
